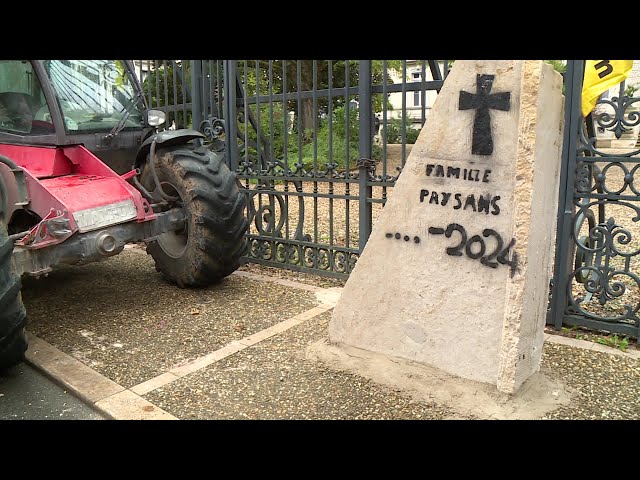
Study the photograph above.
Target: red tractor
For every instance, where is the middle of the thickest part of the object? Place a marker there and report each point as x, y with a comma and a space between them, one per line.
85, 170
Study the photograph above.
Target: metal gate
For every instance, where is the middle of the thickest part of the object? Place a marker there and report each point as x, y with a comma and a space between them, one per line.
316, 144
596, 283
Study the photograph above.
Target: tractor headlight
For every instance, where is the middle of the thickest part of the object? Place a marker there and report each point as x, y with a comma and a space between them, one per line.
98, 217
156, 117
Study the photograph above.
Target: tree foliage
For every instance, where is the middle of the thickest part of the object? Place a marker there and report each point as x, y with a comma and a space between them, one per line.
310, 132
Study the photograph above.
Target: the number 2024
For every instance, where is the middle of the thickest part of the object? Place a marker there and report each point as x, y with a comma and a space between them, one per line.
499, 255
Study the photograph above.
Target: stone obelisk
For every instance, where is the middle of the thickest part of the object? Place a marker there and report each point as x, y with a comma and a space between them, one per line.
456, 271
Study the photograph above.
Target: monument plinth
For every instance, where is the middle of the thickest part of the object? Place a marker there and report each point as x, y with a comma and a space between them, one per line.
456, 271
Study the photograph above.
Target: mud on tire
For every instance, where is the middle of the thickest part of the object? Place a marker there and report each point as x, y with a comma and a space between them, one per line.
13, 341
212, 242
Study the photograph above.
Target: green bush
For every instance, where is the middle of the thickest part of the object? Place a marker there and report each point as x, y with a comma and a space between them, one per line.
394, 132
329, 147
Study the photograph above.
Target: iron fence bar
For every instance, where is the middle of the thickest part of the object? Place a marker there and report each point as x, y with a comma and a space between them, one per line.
423, 94
211, 92
196, 98
564, 230
347, 102
286, 145
175, 90
285, 117
166, 83
594, 324
204, 94
186, 92
384, 121
609, 157
230, 113
174, 108
346, 91
245, 120
404, 113
315, 149
336, 196
330, 111
157, 78
272, 157
219, 88
299, 110
435, 72
365, 139
302, 243
260, 160
149, 94
296, 268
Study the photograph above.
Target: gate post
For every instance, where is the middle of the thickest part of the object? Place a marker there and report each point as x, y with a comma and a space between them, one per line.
365, 140
564, 232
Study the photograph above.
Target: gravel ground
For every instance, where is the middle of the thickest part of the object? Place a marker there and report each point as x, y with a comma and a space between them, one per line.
605, 387
274, 380
123, 320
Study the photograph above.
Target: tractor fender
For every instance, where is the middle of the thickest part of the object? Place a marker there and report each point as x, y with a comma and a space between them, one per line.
166, 138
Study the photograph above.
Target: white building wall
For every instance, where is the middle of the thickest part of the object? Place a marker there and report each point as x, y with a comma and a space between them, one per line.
413, 100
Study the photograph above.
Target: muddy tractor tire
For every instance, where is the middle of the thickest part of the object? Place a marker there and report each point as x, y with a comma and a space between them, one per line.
212, 241
13, 317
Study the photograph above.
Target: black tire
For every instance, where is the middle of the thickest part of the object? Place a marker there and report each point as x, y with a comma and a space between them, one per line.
13, 317
210, 246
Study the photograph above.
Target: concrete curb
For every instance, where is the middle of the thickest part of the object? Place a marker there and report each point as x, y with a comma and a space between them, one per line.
106, 396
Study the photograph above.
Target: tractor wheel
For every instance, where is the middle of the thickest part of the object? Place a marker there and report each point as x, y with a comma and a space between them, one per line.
13, 318
212, 241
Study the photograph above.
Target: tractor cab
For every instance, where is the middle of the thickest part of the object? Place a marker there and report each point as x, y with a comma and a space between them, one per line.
95, 103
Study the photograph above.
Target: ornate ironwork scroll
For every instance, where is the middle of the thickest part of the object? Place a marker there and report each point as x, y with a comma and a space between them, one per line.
277, 236
603, 290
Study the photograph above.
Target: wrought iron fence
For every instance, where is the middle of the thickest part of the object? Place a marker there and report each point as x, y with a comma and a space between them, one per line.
319, 144
596, 281
316, 144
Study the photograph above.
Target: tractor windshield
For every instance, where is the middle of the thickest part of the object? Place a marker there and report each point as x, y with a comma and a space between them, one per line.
94, 95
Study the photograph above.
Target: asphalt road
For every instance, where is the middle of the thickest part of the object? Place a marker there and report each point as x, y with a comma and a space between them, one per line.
27, 394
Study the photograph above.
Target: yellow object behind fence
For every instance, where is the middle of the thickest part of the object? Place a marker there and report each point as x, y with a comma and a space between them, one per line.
599, 76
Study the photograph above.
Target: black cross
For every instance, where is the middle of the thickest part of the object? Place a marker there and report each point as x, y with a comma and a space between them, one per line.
481, 142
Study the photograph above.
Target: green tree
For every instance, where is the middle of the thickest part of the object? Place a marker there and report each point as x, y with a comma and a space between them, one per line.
283, 76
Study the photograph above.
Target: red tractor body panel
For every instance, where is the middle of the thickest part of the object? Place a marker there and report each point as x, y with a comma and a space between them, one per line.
80, 192
40, 162
71, 183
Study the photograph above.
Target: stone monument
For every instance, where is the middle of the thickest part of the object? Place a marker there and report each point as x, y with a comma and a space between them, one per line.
456, 271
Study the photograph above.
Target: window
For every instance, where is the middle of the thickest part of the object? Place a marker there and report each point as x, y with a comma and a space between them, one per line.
95, 95
23, 108
416, 94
